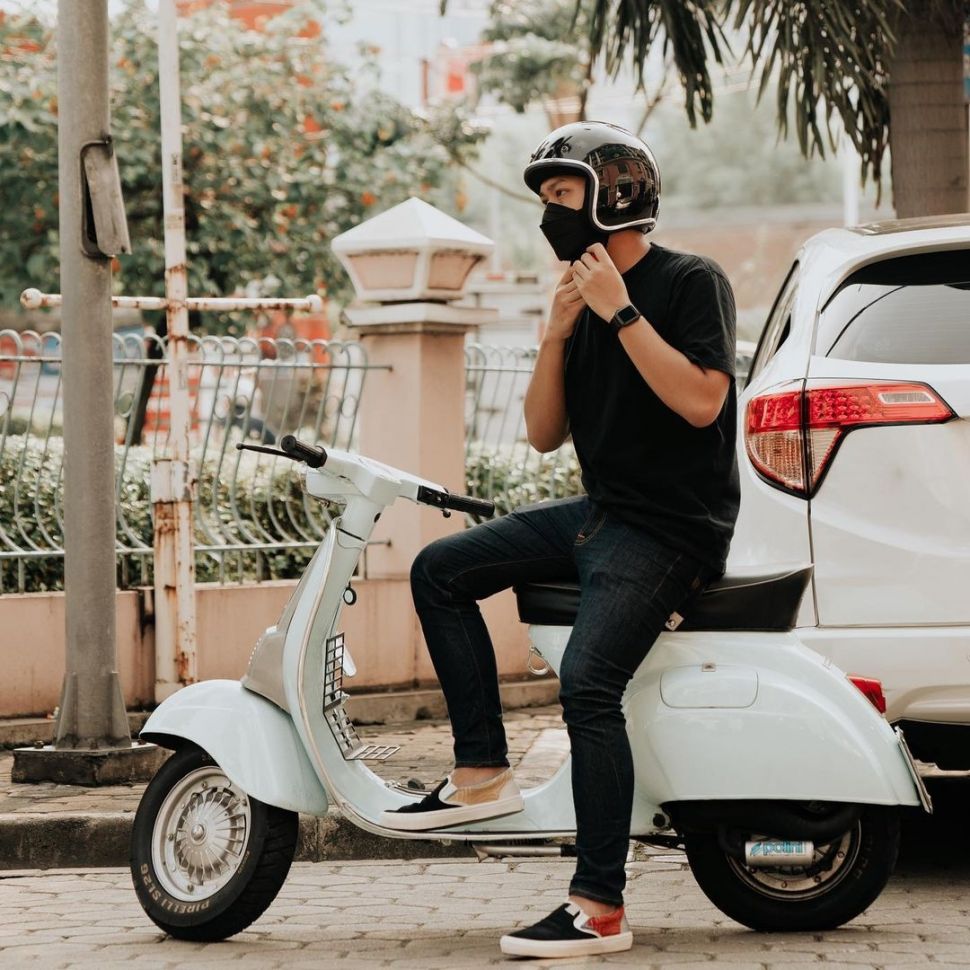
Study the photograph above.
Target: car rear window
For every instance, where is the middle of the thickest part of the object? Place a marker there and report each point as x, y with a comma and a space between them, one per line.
906, 310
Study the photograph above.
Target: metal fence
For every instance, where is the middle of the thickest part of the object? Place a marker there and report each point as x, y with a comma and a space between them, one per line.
500, 464
252, 520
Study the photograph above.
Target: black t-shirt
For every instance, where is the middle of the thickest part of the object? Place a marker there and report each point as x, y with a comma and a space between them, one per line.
640, 459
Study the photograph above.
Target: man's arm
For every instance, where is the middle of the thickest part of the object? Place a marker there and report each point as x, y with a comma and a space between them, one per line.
696, 393
546, 422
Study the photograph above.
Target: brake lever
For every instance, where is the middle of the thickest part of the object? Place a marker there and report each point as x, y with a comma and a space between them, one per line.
264, 450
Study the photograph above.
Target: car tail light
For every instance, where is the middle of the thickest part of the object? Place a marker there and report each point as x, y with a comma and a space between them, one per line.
800, 425
871, 690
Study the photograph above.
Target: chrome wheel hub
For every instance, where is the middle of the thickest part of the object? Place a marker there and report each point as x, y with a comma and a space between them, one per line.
830, 865
201, 834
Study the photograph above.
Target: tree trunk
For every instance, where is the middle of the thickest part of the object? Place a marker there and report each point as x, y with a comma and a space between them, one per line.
928, 117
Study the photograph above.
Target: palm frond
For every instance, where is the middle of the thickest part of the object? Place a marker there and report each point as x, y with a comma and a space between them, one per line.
690, 30
828, 58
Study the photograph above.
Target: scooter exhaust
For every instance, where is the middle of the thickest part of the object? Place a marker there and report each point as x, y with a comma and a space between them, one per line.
778, 852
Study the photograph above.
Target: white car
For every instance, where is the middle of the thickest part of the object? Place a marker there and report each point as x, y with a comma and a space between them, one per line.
854, 455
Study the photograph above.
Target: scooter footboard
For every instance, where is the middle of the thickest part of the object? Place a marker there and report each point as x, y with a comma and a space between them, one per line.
250, 738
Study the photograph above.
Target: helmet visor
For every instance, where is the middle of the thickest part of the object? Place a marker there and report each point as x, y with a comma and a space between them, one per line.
627, 190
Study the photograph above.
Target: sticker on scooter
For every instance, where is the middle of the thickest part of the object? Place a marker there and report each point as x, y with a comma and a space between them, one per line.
778, 852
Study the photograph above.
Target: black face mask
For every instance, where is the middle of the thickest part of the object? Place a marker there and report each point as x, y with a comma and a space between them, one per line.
569, 231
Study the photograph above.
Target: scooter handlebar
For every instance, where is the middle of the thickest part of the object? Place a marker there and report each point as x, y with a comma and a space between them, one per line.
460, 503
314, 456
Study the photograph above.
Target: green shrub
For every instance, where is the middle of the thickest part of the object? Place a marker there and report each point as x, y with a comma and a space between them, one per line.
511, 476
256, 501
241, 499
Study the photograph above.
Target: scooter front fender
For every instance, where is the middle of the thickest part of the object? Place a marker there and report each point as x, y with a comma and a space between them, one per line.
249, 737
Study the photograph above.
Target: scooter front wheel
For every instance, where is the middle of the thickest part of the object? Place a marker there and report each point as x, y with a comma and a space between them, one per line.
206, 858
843, 879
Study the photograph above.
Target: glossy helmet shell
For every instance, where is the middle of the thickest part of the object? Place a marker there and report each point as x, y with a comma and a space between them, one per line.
622, 177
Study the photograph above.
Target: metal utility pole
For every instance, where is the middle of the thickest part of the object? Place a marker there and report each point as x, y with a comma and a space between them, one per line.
92, 713
173, 475
850, 181
92, 742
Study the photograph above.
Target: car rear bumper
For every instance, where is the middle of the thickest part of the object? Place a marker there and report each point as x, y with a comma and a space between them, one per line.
925, 671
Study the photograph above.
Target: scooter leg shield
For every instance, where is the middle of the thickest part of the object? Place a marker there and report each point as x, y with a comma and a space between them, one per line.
249, 737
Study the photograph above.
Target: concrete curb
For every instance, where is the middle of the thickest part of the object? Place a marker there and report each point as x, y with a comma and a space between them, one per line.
24, 732
100, 840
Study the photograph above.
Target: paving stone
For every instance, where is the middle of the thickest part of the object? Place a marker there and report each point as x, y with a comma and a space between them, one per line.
707, 964
428, 914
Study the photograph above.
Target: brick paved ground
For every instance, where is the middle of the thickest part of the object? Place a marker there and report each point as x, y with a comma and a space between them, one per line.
449, 915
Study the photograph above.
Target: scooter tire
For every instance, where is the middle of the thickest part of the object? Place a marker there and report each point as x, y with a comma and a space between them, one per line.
237, 901
749, 897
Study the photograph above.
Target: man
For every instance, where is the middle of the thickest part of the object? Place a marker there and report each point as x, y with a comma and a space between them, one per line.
637, 364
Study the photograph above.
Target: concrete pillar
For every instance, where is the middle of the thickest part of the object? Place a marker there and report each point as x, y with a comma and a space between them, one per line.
413, 415
409, 266
92, 744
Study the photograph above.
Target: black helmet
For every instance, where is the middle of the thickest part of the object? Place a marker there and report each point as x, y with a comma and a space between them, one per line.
622, 177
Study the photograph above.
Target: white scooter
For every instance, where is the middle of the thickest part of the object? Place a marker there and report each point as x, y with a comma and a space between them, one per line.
773, 770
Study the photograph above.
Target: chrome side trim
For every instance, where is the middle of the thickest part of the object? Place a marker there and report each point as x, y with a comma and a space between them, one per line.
924, 796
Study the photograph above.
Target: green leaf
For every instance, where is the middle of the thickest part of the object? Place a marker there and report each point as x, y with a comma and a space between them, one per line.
247, 98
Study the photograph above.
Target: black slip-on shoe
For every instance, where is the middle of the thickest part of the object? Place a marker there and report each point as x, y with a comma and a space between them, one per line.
569, 932
449, 805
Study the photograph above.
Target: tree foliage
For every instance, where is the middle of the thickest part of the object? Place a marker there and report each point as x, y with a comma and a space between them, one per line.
536, 49
284, 148
828, 58
736, 160
833, 59
688, 30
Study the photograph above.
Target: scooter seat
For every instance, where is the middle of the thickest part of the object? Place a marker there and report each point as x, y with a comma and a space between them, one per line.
743, 601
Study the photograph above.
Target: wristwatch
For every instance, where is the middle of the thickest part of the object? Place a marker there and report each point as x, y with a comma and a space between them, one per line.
624, 317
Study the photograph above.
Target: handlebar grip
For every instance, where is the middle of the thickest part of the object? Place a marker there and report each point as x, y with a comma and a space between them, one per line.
476, 506
312, 455
460, 503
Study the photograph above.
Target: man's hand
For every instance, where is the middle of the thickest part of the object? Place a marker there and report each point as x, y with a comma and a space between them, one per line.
567, 305
599, 282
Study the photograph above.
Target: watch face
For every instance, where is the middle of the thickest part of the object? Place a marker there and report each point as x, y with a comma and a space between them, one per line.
625, 316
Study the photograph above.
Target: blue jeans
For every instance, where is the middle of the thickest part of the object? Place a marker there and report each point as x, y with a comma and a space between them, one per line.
630, 584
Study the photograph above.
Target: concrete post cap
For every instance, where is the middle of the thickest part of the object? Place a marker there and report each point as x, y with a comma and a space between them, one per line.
412, 251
